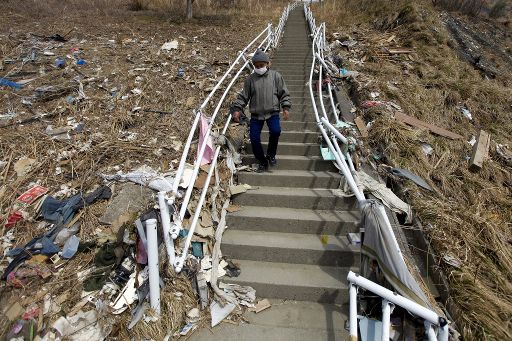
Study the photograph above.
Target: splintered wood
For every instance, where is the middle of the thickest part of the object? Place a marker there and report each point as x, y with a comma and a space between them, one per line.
480, 151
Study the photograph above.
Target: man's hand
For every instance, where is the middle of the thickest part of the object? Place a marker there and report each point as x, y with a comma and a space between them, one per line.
236, 116
286, 115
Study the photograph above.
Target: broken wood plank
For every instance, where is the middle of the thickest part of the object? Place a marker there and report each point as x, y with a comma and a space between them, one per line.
398, 50
361, 126
480, 151
413, 121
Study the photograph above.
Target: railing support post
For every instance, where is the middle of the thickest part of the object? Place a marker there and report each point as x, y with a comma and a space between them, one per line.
353, 312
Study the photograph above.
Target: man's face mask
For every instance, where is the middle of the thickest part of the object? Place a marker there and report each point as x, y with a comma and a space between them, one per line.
261, 71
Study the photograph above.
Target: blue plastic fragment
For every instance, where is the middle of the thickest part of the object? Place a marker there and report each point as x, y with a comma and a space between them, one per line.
8, 82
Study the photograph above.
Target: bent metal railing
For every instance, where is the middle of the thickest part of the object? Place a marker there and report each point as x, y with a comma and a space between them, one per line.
343, 160
168, 202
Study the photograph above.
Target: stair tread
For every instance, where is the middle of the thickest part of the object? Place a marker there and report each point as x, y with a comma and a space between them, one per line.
296, 213
294, 172
283, 240
291, 191
300, 275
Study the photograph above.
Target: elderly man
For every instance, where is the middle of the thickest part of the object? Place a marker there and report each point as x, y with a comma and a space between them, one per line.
266, 93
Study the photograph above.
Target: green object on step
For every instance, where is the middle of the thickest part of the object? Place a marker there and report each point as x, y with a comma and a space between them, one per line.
197, 249
327, 155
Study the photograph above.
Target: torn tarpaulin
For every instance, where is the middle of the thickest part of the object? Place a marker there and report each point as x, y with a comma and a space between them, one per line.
57, 211
208, 152
145, 176
384, 194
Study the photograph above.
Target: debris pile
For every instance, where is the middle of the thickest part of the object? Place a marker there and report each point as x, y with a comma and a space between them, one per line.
438, 129
92, 122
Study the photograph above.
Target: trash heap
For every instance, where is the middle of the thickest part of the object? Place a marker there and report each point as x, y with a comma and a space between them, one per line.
91, 129
436, 129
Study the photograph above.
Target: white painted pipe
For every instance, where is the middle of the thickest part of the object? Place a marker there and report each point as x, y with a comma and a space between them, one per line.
181, 260
384, 215
320, 95
386, 319
166, 226
154, 274
335, 131
353, 312
334, 110
346, 172
429, 331
321, 60
443, 332
399, 300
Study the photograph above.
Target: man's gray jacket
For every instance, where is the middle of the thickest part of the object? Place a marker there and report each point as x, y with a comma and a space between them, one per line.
266, 94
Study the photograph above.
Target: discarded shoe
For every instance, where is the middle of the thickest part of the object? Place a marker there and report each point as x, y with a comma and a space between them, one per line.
272, 160
262, 167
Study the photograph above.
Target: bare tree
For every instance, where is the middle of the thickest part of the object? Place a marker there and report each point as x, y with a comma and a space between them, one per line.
189, 9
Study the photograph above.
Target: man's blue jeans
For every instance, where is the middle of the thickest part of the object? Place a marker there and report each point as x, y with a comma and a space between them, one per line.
274, 128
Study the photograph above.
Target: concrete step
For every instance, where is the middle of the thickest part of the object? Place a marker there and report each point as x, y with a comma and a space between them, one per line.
291, 178
294, 136
297, 162
301, 198
284, 321
294, 248
298, 125
291, 148
281, 219
301, 282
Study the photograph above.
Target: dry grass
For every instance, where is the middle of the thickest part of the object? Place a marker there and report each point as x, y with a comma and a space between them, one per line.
470, 213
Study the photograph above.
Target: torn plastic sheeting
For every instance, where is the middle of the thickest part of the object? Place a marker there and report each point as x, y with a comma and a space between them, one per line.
245, 295
145, 176
219, 312
404, 173
82, 326
384, 194
126, 297
379, 243
208, 152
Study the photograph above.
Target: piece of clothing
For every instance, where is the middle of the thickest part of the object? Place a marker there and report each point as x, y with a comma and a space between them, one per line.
62, 212
208, 152
260, 56
274, 128
266, 94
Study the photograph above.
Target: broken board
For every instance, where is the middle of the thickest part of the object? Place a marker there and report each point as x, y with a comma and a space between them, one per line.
361, 126
480, 151
413, 121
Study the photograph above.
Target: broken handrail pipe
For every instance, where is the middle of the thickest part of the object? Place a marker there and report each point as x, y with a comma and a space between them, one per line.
198, 113
384, 215
166, 226
335, 131
178, 266
322, 61
387, 309
200, 154
359, 195
154, 274
392, 297
142, 233
320, 95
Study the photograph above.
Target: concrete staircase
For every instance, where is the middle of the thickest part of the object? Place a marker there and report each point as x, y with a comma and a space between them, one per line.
290, 238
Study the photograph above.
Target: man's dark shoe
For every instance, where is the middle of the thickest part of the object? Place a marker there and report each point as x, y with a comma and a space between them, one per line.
272, 161
262, 168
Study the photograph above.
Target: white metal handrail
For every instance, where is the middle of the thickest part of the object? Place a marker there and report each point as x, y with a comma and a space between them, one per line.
344, 162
